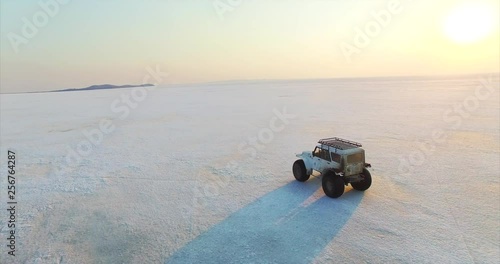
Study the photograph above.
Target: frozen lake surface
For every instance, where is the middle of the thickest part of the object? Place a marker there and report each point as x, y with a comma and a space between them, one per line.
202, 173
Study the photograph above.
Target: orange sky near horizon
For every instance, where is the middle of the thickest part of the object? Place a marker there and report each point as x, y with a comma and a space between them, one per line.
77, 44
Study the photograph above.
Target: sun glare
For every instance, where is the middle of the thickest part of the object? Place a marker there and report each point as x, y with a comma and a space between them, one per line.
469, 23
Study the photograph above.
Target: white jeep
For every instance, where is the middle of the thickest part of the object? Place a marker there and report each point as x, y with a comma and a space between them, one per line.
339, 161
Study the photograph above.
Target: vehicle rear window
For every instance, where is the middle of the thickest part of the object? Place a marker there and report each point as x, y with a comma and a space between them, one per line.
355, 158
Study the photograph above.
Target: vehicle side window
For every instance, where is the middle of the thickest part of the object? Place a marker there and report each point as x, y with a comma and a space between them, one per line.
325, 155
336, 157
321, 153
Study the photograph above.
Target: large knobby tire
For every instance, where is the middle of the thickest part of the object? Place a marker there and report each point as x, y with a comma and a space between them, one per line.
299, 171
333, 185
365, 183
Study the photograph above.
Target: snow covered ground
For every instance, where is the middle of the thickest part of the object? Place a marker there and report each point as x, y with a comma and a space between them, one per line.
202, 173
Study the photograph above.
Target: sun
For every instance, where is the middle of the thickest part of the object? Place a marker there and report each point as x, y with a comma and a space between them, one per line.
469, 23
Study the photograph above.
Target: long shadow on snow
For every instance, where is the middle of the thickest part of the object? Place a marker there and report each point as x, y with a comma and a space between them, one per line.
277, 228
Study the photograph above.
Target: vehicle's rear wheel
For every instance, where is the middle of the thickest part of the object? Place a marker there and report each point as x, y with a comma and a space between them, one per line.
299, 171
333, 185
365, 183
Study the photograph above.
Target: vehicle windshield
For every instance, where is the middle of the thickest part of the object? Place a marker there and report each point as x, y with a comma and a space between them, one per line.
355, 158
316, 152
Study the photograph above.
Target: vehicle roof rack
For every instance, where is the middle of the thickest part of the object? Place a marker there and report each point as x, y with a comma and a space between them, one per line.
339, 143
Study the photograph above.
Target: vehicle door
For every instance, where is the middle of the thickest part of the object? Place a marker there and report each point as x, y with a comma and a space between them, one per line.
321, 159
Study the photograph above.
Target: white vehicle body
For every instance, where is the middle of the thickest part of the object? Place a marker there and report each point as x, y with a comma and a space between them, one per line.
340, 162
345, 158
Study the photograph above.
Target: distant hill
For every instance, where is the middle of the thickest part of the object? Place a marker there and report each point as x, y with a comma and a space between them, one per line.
102, 87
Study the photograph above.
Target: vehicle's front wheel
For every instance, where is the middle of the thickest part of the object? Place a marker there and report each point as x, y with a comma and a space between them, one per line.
365, 183
333, 185
299, 171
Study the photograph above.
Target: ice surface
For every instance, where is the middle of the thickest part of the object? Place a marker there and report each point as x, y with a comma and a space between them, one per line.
177, 180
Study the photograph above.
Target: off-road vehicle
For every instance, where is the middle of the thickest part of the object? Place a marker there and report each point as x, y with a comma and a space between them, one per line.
339, 162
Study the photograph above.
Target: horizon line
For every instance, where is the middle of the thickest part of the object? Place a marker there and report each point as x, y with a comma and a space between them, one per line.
230, 81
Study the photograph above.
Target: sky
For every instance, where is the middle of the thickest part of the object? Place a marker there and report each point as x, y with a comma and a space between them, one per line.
56, 44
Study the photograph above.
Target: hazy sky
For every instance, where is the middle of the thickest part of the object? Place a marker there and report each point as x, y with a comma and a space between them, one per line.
50, 44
